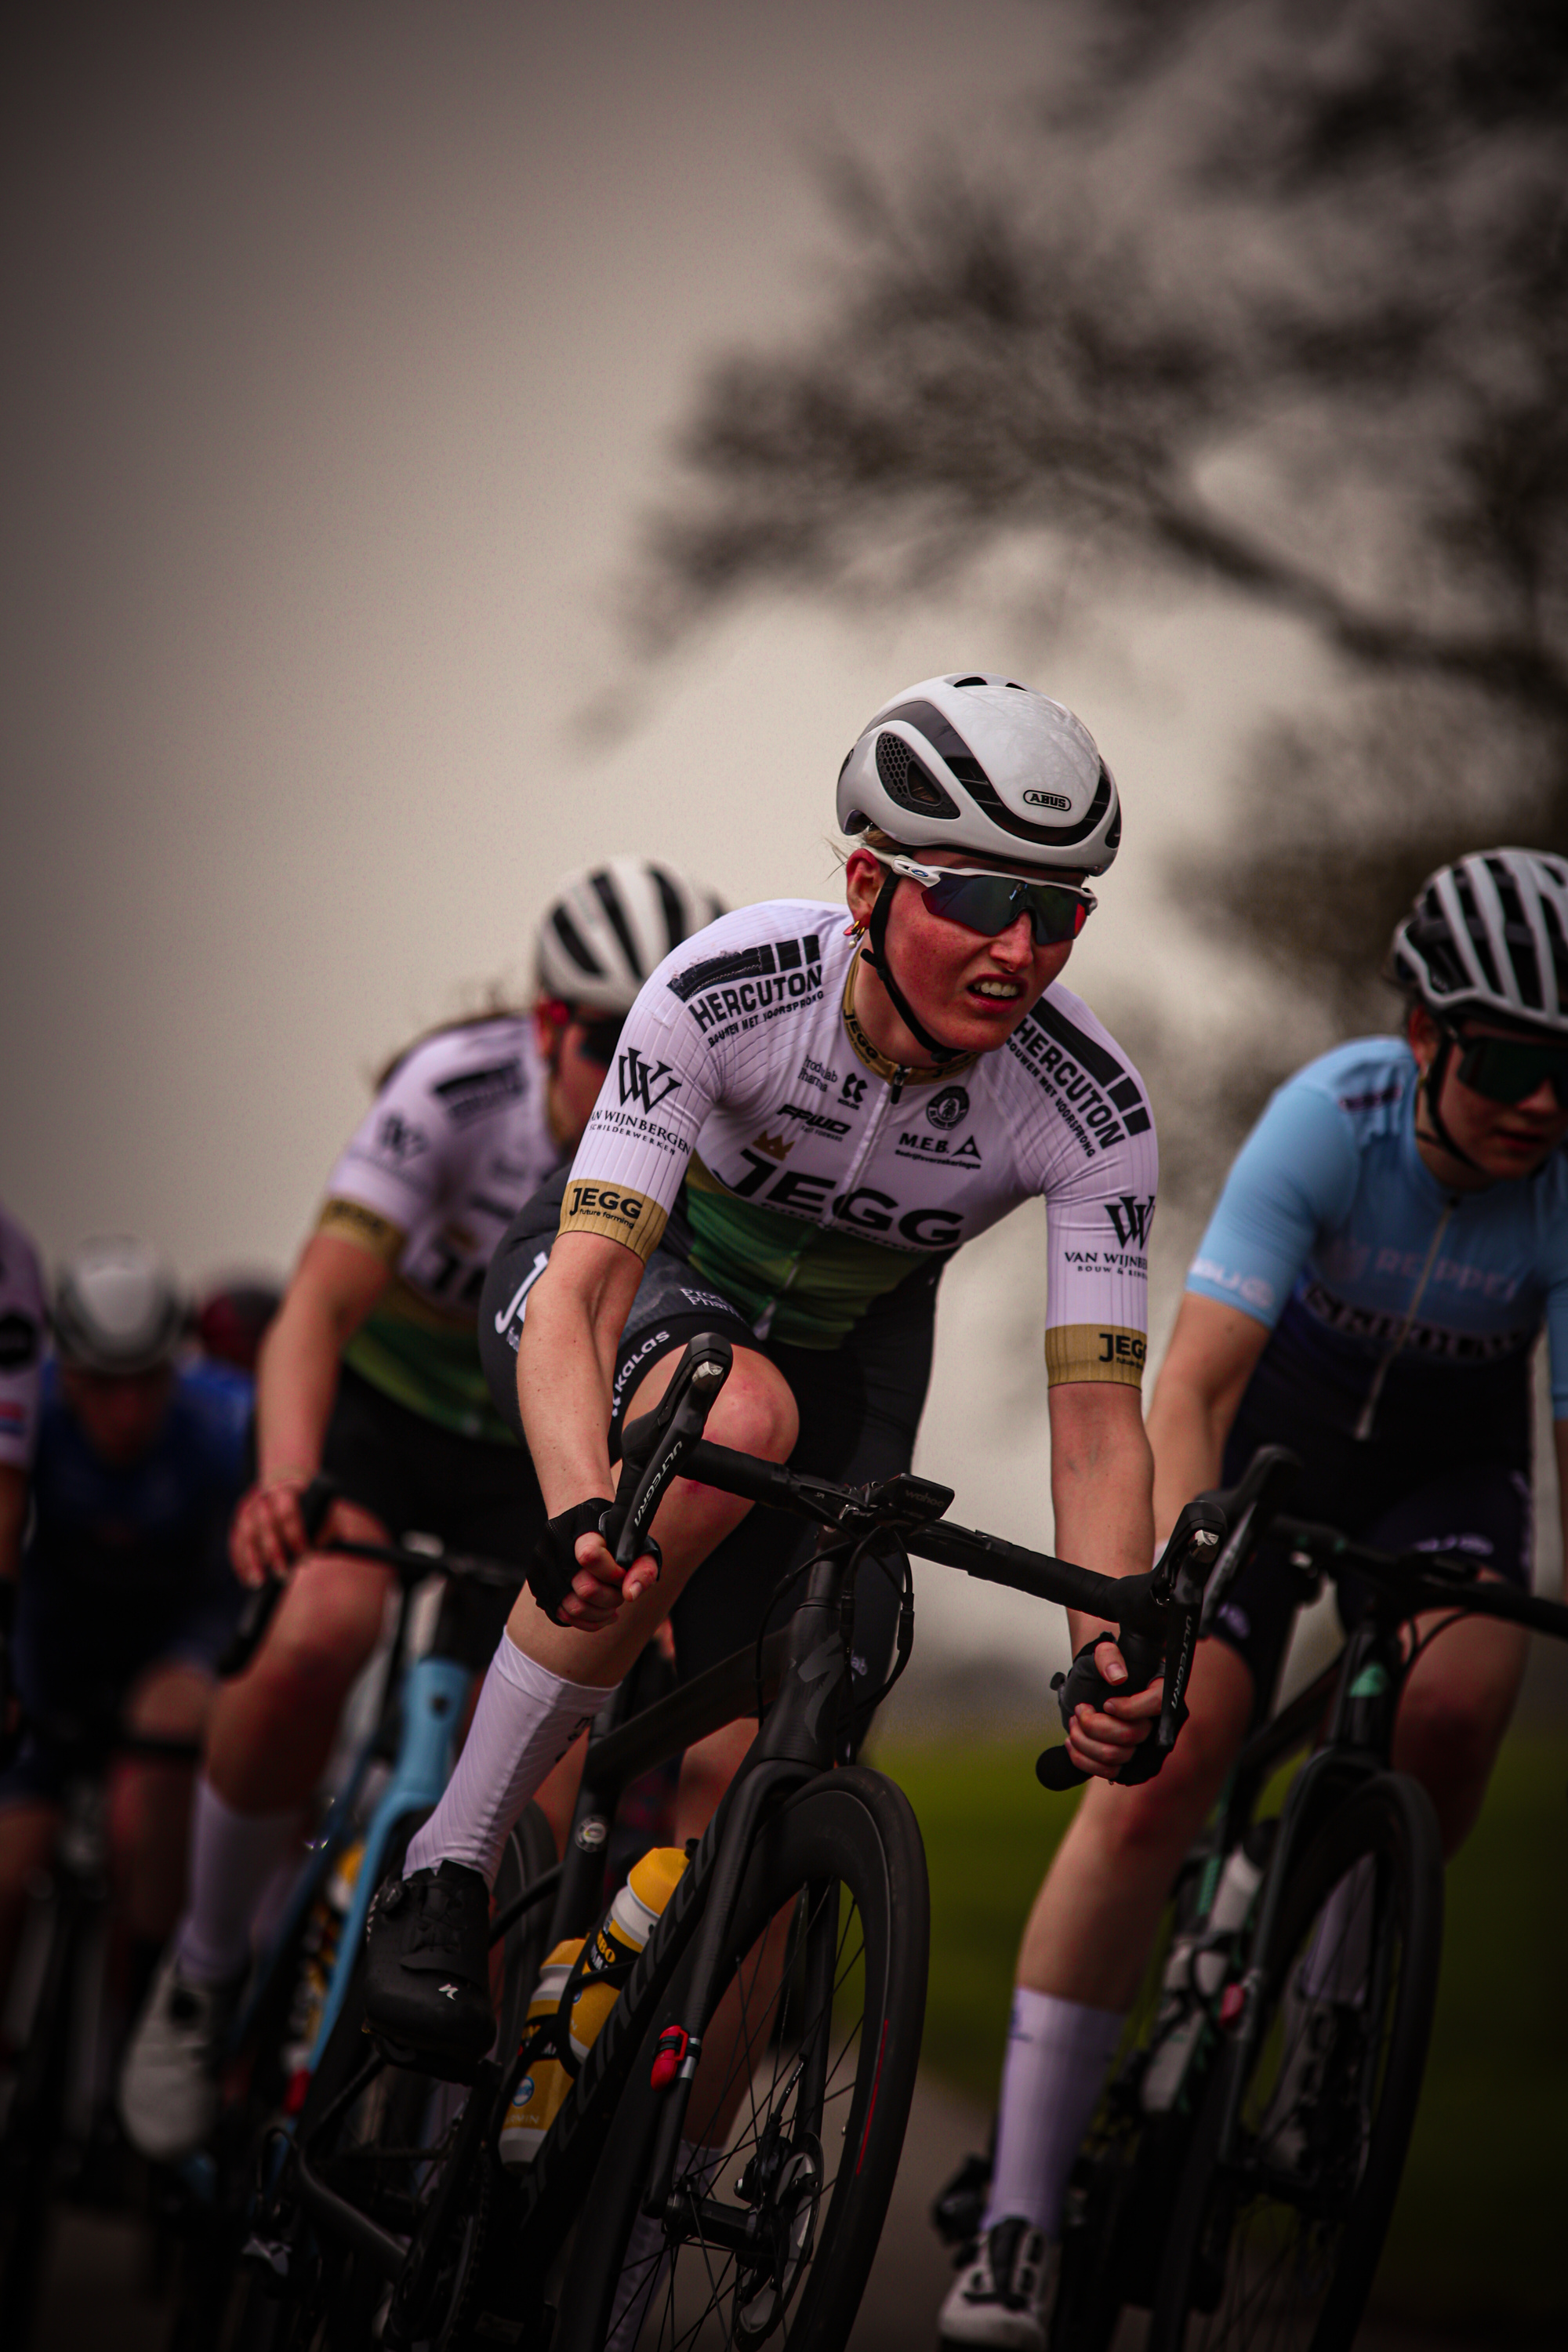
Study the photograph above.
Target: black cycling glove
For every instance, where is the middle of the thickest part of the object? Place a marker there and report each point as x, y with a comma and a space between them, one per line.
1084, 1686
554, 1561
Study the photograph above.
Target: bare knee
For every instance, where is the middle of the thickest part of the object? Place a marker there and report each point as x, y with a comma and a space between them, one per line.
1449, 1745
756, 1413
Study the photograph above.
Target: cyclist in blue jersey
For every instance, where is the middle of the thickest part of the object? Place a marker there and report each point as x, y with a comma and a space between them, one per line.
125, 1596
1388, 1246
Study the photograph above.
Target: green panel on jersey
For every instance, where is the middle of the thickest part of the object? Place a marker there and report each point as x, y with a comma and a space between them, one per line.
818, 1280
431, 1368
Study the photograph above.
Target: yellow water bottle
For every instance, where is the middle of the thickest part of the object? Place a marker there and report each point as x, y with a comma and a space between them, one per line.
619, 1938
542, 2088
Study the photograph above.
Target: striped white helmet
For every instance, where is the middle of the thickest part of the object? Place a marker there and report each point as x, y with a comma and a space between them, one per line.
609, 925
1489, 936
982, 763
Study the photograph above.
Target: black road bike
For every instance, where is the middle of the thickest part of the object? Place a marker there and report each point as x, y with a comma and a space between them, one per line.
389, 2219
1241, 2172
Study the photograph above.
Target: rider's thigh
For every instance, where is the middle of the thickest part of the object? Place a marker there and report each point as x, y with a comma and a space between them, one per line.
707, 1769
329, 1618
1158, 1820
756, 1409
1453, 1712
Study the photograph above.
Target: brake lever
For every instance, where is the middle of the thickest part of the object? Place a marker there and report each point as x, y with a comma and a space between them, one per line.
663, 1439
1176, 1587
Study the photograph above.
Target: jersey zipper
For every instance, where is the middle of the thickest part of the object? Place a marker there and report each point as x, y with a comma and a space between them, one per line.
1364, 1425
874, 1125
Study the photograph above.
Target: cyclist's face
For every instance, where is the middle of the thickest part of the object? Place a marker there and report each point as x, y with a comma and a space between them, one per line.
1504, 1138
970, 990
575, 1072
120, 1414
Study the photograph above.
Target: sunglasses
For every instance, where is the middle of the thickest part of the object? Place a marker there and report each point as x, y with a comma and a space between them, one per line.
600, 1039
1510, 1069
992, 903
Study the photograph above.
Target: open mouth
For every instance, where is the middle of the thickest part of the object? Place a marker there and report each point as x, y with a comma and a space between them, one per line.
996, 991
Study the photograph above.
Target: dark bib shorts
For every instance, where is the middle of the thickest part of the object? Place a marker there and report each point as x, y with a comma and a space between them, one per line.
860, 1407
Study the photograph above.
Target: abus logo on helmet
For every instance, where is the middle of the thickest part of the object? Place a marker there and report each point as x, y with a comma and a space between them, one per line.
1036, 798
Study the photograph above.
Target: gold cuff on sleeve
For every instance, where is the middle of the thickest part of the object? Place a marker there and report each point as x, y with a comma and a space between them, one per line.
351, 1221
1094, 1352
615, 1211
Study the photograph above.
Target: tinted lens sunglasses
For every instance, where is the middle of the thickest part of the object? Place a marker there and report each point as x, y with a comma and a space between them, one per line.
991, 903
601, 1038
1510, 1069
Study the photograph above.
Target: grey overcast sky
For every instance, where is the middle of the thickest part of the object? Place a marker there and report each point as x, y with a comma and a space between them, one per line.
346, 347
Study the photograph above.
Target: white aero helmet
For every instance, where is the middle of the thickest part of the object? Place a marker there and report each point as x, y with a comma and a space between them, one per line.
609, 925
117, 1307
983, 765
1489, 936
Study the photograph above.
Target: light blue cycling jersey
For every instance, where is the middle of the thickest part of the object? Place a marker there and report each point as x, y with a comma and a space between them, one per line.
1331, 1219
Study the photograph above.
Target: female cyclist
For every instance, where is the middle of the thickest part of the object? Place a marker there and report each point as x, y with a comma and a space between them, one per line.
1369, 1292
371, 1374
804, 1122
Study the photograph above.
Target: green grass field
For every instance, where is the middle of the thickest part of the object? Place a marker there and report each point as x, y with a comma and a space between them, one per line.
1475, 2240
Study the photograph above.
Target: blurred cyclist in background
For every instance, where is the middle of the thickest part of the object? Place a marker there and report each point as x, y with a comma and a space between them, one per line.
371, 1374
21, 1357
125, 1596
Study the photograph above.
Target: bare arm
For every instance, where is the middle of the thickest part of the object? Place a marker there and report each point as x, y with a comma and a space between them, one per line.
565, 1366
1101, 1479
334, 1287
1210, 1360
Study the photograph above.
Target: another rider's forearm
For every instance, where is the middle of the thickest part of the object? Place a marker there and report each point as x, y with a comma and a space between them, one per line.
296, 1387
1101, 1494
1187, 1430
564, 1369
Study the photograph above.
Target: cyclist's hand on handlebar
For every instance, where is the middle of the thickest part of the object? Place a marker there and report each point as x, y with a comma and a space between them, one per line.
573, 1574
1100, 1738
266, 1534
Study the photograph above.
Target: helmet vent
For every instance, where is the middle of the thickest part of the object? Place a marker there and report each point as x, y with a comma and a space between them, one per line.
969, 681
575, 945
908, 783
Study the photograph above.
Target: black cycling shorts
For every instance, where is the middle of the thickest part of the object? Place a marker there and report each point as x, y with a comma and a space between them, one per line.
1439, 1496
417, 1477
860, 1406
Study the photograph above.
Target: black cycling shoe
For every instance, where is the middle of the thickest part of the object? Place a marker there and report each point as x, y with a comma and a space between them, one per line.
427, 1970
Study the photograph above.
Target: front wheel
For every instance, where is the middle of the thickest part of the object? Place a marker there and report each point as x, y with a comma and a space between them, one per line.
816, 2032
1287, 2200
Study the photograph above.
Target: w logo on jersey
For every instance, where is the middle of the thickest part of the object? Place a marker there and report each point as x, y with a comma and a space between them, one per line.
643, 1082
1131, 1218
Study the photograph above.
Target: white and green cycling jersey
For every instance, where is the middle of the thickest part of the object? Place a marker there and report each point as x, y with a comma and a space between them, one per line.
816, 1174
458, 1138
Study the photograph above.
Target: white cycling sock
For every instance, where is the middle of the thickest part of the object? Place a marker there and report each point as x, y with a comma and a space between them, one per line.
234, 1859
1336, 1965
647, 2257
525, 1721
1057, 2052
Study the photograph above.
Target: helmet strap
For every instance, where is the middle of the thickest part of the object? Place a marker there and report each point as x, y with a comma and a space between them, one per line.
875, 954
1432, 1087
